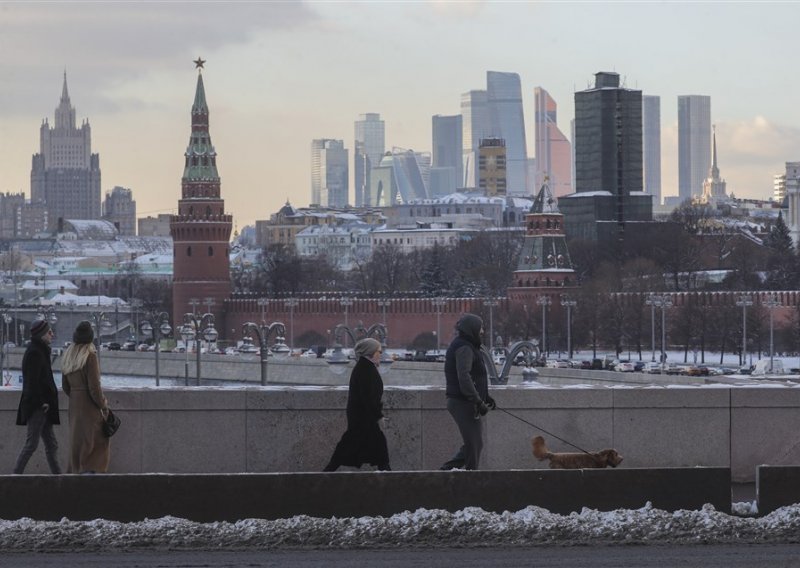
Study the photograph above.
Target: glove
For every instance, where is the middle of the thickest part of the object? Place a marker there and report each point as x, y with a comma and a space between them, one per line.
490, 403
481, 409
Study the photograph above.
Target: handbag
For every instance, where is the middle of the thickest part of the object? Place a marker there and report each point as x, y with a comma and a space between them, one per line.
111, 424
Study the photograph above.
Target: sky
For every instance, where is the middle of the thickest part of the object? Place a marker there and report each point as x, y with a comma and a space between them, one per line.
279, 74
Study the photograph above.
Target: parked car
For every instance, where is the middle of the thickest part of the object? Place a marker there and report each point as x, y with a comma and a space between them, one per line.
638, 366
129, 346
586, 364
697, 371
113, 346
652, 367
624, 367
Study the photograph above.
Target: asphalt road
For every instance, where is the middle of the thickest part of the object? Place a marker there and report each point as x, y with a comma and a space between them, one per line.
706, 556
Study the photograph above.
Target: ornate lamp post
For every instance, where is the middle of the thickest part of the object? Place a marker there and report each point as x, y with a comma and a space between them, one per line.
157, 326
545, 302
383, 305
201, 326
438, 302
771, 302
491, 304
291, 303
262, 333
744, 300
346, 303
662, 301
338, 361
569, 303
650, 301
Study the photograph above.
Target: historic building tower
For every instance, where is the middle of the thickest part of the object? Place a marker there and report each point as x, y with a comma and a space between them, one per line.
544, 268
201, 230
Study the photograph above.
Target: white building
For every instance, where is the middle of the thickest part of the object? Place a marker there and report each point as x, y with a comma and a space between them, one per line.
793, 193
344, 245
422, 236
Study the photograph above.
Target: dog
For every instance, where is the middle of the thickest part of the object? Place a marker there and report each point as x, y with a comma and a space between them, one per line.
596, 460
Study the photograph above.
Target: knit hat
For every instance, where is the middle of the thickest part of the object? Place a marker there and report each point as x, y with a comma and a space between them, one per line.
39, 328
366, 347
83, 333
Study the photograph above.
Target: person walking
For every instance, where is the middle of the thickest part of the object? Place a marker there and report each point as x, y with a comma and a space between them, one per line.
467, 391
38, 406
363, 441
89, 448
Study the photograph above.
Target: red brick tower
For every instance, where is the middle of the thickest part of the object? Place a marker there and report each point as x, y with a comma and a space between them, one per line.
201, 230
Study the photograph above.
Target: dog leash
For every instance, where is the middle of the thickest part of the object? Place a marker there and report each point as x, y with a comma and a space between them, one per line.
542, 429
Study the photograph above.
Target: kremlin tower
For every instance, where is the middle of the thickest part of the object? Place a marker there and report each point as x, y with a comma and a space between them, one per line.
201, 230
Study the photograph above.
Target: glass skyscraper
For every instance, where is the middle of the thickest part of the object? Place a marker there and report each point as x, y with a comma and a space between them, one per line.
553, 149
651, 149
475, 125
329, 173
370, 144
507, 121
694, 144
447, 160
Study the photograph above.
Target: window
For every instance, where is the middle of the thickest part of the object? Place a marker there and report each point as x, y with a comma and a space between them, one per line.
210, 251
188, 251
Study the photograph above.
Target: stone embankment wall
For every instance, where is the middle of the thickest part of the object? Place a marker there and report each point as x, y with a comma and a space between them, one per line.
294, 429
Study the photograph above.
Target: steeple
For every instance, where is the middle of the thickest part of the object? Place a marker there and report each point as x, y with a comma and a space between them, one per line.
65, 112
200, 106
201, 158
544, 202
714, 172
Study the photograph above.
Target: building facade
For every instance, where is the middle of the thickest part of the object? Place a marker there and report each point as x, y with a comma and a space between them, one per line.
608, 162
65, 175
792, 182
475, 126
694, 144
447, 160
493, 167
553, 163
714, 186
329, 173
201, 230
120, 209
651, 146
370, 145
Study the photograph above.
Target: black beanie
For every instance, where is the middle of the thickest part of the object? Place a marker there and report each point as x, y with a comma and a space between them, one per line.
39, 328
83, 333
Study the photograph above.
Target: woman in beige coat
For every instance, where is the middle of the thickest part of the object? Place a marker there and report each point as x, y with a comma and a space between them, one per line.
89, 450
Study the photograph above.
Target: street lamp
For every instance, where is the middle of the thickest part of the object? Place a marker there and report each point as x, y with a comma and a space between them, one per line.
744, 300
262, 332
157, 326
491, 304
346, 303
544, 301
662, 301
201, 327
338, 361
384, 304
569, 303
291, 303
771, 302
438, 302
100, 324
187, 334
650, 301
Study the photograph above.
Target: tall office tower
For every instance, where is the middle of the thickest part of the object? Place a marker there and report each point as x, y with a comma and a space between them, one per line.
475, 126
713, 186
65, 175
329, 173
507, 121
201, 231
608, 162
553, 150
651, 146
120, 209
492, 167
792, 183
694, 144
779, 188
397, 179
447, 159
370, 144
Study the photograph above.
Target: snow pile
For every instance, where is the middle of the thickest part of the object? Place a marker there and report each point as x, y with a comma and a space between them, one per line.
421, 528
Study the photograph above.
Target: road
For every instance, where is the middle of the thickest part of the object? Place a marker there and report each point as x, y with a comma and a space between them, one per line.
706, 556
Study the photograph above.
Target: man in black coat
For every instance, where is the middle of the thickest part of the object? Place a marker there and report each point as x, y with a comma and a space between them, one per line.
38, 407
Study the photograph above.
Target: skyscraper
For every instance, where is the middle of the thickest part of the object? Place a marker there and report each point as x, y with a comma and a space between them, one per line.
447, 160
608, 162
714, 186
201, 230
553, 149
492, 169
507, 121
120, 209
475, 126
329, 173
651, 146
694, 144
370, 144
65, 175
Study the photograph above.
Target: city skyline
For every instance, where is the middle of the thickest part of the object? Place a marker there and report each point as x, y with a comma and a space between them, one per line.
282, 74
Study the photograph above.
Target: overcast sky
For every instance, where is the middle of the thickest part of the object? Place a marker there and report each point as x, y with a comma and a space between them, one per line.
280, 74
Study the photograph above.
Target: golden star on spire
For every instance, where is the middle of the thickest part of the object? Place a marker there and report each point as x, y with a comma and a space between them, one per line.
199, 62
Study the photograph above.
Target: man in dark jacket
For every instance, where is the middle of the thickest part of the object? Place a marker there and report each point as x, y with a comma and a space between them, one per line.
467, 391
38, 407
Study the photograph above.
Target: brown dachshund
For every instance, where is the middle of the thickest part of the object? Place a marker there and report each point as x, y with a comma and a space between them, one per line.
596, 460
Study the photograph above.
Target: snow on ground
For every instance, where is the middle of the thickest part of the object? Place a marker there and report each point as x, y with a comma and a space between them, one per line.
470, 527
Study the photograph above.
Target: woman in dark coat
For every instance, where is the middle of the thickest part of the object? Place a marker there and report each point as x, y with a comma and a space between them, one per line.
363, 441
38, 406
